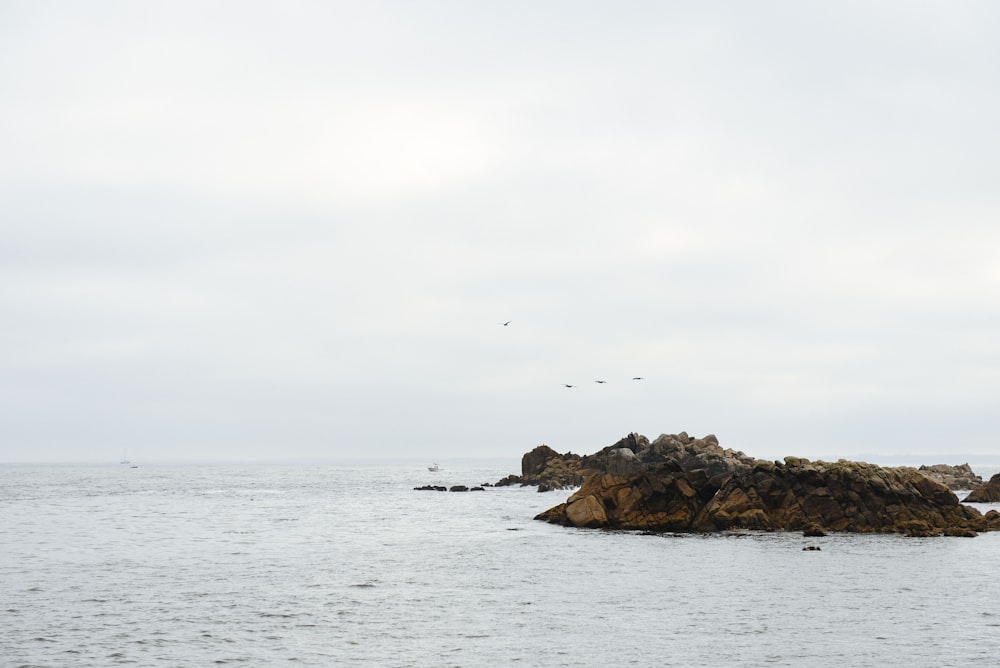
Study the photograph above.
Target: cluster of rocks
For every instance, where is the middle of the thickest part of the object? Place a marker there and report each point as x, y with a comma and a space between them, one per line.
547, 469
988, 493
679, 483
550, 470
955, 477
635, 453
453, 488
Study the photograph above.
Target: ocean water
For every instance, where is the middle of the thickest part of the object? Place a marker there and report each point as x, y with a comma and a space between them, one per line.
321, 565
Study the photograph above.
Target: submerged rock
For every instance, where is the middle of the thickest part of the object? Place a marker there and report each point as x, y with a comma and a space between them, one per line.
813, 531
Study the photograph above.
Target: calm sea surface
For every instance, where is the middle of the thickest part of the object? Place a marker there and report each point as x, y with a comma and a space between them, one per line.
306, 565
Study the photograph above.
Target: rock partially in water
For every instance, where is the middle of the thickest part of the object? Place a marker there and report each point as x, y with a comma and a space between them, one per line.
533, 463
548, 469
813, 530
508, 481
988, 493
729, 490
955, 477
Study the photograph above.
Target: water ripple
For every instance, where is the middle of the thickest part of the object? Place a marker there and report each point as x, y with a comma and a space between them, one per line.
320, 566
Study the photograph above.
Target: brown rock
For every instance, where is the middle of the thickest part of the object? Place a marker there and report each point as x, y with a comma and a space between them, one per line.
795, 494
813, 531
586, 512
533, 463
988, 493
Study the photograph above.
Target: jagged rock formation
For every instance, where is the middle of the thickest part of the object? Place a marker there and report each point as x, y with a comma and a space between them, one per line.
697, 486
687, 452
548, 469
955, 477
988, 493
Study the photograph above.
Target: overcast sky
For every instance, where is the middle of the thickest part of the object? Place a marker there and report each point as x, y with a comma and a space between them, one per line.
292, 229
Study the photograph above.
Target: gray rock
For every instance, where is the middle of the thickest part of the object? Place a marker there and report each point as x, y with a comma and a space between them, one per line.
955, 477
623, 462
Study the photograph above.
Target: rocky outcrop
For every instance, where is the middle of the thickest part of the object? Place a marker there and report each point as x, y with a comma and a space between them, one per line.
633, 454
795, 494
988, 493
686, 452
548, 469
533, 463
955, 477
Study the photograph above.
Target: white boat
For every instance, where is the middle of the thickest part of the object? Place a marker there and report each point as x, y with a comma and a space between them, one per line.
434, 467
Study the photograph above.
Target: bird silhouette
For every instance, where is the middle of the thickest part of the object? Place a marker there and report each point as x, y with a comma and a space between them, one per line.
505, 323
600, 381
568, 385
638, 378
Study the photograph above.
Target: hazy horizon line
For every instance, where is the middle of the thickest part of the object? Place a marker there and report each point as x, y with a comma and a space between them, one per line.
903, 459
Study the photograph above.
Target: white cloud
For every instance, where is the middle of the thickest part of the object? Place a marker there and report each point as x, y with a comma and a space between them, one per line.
237, 222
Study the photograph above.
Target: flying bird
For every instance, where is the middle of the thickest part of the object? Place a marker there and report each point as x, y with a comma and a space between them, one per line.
505, 323
567, 385
638, 378
600, 381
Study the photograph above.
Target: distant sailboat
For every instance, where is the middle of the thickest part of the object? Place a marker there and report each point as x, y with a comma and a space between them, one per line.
124, 458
